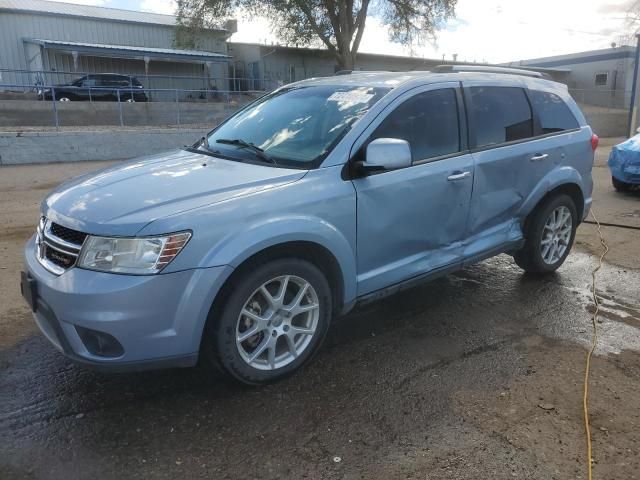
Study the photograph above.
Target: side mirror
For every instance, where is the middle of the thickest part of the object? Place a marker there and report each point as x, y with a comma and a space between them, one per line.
387, 154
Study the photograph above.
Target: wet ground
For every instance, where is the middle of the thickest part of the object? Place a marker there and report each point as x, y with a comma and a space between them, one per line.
475, 375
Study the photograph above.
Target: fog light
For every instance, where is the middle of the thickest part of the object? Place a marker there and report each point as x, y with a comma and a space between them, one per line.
100, 343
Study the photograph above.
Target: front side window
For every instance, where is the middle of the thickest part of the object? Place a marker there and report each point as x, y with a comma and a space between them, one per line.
500, 114
294, 127
90, 82
428, 121
553, 113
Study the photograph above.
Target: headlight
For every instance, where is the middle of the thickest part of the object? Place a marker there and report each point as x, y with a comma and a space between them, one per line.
141, 256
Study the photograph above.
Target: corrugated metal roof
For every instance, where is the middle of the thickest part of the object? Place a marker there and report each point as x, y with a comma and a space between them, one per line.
87, 11
129, 50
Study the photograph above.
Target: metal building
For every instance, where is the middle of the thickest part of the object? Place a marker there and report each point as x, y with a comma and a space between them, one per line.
276, 65
601, 78
44, 42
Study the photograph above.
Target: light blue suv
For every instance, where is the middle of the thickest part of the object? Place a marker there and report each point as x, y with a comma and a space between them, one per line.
321, 195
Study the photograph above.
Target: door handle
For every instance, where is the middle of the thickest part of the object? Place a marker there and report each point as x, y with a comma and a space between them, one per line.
539, 156
458, 176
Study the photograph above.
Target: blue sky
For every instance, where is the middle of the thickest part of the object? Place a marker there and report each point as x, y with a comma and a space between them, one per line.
483, 30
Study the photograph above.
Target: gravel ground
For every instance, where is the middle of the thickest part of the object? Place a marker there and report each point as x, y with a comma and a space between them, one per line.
475, 375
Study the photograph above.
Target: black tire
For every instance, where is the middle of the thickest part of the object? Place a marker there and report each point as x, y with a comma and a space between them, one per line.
219, 343
529, 258
619, 185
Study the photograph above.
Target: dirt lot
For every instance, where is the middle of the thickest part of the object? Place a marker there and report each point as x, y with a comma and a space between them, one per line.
476, 375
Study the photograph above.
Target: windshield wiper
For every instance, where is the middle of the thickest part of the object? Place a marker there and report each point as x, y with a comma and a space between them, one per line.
260, 153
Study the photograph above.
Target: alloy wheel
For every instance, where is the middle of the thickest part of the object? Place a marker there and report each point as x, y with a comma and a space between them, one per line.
277, 322
556, 235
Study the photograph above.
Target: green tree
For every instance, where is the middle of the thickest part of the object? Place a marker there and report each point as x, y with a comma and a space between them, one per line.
336, 24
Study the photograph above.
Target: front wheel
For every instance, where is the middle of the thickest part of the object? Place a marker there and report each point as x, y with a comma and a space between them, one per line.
549, 235
273, 320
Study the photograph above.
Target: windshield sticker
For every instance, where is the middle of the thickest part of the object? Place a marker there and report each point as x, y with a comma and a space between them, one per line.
354, 97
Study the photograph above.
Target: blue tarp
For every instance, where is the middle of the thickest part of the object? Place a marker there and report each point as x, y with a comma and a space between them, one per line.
624, 161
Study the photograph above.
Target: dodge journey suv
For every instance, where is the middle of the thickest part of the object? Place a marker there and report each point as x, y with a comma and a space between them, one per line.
321, 195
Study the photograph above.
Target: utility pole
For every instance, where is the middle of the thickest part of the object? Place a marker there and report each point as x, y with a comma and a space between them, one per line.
633, 108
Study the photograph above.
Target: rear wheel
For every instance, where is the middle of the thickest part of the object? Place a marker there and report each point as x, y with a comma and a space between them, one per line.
549, 235
65, 98
273, 320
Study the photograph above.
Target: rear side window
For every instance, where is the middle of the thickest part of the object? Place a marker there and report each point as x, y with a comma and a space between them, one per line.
428, 121
554, 114
115, 81
500, 114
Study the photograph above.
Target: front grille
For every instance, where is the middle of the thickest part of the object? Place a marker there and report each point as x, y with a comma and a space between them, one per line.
58, 247
67, 234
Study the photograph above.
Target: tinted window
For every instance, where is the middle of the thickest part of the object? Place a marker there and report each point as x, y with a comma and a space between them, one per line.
90, 82
554, 114
500, 114
114, 81
428, 121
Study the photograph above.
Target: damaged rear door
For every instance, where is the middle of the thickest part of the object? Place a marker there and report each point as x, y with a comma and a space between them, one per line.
507, 163
412, 220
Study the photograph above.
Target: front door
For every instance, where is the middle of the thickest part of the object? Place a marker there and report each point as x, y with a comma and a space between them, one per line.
411, 221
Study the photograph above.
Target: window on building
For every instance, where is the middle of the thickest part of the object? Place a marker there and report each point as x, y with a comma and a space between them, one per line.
428, 121
500, 114
553, 113
602, 79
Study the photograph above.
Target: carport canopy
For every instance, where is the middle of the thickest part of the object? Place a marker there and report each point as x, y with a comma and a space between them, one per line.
129, 51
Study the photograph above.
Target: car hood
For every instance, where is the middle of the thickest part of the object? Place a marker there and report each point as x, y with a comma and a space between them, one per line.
121, 200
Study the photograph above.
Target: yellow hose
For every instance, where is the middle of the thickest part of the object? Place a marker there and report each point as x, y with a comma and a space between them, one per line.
594, 340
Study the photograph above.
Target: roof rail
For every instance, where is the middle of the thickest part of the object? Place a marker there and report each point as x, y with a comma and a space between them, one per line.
489, 69
349, 72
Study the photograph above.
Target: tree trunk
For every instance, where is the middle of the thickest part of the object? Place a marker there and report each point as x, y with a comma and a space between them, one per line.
346, 61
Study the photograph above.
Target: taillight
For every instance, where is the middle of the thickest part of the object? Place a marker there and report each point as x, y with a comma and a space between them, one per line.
594, 142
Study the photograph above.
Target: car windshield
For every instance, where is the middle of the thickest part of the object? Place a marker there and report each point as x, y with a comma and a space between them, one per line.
295, 127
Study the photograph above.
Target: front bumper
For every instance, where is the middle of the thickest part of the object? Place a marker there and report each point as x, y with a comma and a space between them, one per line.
158, 320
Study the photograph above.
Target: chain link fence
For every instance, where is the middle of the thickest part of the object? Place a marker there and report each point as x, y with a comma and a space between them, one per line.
77, 99
50, 99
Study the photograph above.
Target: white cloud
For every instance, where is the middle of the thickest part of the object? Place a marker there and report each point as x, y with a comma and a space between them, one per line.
487, 30
96, 3
497, 30
167, 7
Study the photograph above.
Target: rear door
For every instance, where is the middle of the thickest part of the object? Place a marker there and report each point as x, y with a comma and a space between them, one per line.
112, 84
508, 162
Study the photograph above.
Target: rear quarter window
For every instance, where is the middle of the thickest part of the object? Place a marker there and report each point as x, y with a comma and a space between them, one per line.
553, 112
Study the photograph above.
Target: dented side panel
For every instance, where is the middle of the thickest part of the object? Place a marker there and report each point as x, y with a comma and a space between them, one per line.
411, 221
